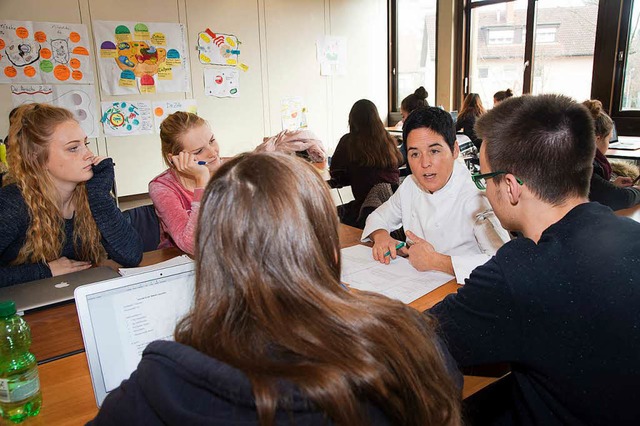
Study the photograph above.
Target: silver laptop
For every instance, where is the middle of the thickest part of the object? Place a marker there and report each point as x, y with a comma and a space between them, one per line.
120, 317
49, 291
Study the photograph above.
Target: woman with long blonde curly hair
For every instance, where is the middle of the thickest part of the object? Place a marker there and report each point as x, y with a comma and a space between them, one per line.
57, 214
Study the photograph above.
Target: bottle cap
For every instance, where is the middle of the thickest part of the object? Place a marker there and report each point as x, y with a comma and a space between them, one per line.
7, 308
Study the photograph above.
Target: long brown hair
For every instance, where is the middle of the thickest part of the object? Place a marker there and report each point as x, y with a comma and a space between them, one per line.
268, 302
30, 133
472, 105
172, 128
370, 145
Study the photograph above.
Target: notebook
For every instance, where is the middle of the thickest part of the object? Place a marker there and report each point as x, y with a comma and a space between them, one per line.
120, 317
49, 291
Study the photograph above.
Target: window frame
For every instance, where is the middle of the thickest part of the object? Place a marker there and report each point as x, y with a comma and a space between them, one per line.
392, 38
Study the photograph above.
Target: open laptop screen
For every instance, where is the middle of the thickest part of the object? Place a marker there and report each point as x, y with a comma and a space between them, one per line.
119, 321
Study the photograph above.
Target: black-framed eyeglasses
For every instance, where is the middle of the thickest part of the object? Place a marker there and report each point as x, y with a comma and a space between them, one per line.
481, 179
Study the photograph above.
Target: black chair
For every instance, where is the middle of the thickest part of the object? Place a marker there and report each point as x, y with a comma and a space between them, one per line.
145, 221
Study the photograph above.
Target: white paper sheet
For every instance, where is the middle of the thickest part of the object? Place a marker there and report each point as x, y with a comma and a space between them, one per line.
222, 82
80, 99
138, 57
331, 52
162, 109
44, 52
126, 118
175, 261
397, 280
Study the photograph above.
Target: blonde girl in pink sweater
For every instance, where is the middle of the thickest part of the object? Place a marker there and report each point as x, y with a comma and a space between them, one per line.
191, 151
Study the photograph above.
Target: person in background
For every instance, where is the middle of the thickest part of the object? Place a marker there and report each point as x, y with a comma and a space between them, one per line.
437, 205
191, 151
57, 214
364, 157
471, 109
560, 304
501, 96
412, 102
274, 338
619, 194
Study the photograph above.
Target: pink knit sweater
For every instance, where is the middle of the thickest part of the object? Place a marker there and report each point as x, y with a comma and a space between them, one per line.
177, 209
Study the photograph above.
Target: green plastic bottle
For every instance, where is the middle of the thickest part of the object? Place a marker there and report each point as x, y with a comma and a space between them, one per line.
20, 395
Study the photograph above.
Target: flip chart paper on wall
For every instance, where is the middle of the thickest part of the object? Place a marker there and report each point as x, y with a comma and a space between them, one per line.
222, 82
126, 118
44, 52
332, 55
293, 113
218, 49
80, 99
162, 109
137, 57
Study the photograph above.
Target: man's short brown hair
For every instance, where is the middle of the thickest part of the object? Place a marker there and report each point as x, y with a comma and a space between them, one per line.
547, 141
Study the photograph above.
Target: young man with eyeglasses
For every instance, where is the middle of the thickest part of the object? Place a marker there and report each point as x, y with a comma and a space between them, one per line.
437, 205
561, 304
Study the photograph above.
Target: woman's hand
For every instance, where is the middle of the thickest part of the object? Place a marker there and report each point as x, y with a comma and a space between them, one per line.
622, 181
383, 243
187, 164
63, 266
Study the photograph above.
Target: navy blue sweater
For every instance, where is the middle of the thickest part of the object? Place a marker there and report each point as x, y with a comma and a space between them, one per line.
119, 239
565, 312
175, 384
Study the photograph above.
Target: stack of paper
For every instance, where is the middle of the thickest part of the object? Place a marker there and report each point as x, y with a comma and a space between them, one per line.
397, 280
178, 260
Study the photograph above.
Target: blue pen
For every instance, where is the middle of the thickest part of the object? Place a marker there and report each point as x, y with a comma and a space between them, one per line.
202, 163
398, 247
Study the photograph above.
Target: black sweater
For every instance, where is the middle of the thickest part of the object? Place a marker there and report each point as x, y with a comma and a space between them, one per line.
605, 192
565, 313
119, 239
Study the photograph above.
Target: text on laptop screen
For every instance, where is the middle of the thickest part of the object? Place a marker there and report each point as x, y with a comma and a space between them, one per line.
126, 319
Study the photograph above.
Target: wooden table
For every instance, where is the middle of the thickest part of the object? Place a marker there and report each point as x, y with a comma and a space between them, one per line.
631, 212
67, 393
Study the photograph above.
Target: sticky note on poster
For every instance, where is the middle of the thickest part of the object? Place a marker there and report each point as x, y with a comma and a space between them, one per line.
222, 82
126, 118
162, 109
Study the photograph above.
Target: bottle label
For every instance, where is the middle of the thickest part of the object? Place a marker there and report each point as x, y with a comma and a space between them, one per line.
20, 387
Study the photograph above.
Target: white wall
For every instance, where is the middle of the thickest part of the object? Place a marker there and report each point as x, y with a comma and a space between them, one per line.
278, 44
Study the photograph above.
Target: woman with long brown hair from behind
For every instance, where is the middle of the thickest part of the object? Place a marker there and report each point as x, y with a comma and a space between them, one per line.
471, 109
366, 156
273, 337
57, 214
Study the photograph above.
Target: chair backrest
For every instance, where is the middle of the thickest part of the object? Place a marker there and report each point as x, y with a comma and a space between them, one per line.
145, 221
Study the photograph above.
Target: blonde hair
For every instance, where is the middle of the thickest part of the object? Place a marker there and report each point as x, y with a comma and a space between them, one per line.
603, 124
30, 134
172, 128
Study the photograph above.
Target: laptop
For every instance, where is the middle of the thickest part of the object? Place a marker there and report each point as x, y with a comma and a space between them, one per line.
120, 317
49, 291
629, 143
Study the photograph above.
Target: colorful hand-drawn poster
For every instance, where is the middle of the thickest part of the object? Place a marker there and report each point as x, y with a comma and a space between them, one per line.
80, 99
136, 57
222, 83
332, 55
125, 118
293, 113
44, 52
218, 48
162, 109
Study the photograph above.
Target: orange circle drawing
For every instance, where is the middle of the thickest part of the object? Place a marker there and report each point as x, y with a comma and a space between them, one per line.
61, 72
80, 50
29, 71
22, 32
40, 37
74, 37
1, 43
76, 75
45, 53
10, 72
75, 64
159, 111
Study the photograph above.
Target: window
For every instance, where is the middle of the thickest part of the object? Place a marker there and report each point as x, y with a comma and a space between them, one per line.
412, 49
556, 57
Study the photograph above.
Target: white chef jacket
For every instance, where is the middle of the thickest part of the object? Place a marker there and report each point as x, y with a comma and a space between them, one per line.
446, 219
